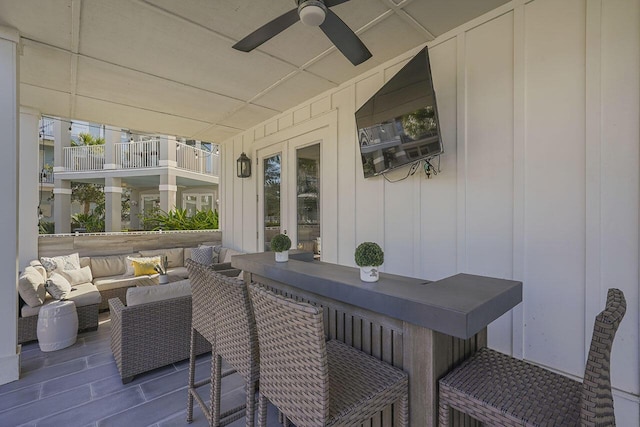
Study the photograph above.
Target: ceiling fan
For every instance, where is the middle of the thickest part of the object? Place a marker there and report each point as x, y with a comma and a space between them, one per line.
315, 13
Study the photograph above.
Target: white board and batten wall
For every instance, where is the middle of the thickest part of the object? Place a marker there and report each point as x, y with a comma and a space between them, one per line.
539, 106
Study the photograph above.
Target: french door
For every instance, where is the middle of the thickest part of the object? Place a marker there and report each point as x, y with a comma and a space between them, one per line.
289, 193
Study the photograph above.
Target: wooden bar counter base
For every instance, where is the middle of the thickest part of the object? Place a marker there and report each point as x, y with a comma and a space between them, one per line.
425, 328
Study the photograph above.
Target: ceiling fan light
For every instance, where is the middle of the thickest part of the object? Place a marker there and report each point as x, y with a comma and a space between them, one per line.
312, 13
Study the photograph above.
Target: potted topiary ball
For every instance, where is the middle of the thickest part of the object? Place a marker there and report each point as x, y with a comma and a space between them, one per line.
280, 244
369, 257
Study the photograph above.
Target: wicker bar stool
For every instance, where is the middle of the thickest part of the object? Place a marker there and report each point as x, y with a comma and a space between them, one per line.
318, 383
223, 316
500, 390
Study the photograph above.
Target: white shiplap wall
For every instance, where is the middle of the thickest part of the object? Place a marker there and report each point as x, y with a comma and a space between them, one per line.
539, 106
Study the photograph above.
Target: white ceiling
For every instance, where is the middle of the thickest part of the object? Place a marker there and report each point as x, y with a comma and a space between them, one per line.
167, 66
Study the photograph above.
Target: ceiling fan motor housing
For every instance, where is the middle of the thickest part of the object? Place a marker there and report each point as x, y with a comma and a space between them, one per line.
312, 12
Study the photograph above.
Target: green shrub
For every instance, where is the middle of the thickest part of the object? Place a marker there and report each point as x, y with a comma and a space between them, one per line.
369, 254
178, 220
280, 243
46, 227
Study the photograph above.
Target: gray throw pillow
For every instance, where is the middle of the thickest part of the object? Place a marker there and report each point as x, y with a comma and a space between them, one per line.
58, 286
202, 255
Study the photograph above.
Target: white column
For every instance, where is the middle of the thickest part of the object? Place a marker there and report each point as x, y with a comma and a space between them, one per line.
134, 209
168, 190
112, 204
62, 139
9, 175
61, 189
168, 147
29, 185
111, 136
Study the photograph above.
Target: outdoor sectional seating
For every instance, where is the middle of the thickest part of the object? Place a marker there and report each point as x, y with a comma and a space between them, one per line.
110, 279
154, 328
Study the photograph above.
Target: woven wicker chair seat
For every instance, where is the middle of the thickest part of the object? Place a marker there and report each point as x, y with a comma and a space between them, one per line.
357, 380
520, 393
500, 390
315, 382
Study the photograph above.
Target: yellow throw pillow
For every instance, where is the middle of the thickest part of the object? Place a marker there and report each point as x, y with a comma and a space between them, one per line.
141, 268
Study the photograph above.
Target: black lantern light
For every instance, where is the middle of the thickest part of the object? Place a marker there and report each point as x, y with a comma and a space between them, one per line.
244, 166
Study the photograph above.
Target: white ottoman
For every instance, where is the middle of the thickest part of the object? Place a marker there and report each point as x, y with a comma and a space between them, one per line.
57, 325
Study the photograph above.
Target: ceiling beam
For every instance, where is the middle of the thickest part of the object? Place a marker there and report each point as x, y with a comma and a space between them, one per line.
74, 49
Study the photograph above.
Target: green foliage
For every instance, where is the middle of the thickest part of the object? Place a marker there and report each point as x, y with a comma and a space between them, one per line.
178, 220
419, 123
369, 254
92, 222
280, 243
46, 227
87, 139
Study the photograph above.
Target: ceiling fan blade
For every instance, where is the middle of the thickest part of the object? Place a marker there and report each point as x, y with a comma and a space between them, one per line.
267, 31
345, 40
331, 3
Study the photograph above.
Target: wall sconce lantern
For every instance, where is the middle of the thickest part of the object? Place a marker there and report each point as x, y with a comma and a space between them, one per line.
244, 166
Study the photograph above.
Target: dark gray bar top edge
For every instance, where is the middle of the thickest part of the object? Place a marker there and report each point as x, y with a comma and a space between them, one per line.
460, 305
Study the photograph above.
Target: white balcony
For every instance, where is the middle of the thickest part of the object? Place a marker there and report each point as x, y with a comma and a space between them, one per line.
140, 155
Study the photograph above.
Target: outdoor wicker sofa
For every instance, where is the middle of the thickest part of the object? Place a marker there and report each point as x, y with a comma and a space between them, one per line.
152, 335
154, 328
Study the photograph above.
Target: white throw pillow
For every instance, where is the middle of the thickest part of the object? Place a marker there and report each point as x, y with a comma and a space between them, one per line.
63, 262
76, 277
58, 286
31, 287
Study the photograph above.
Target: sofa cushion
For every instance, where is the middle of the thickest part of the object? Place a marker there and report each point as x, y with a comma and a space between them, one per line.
181, 272
147, 294
120, 281
85, 261
57, 285
106, 266
228, 254
63, 262
175, 256
76, 277
83, 295
31, 287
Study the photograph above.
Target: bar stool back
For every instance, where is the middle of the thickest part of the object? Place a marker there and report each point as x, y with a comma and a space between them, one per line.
205, 285
313, 382
498, 389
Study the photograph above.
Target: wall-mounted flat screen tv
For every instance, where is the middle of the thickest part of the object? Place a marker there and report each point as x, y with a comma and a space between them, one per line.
399, 125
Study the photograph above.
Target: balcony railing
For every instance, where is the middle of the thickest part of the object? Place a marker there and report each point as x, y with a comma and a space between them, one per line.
84, 158
137, 155
140, 155
197, 160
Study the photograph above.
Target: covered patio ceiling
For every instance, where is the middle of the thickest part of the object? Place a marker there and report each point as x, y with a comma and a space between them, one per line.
167, 66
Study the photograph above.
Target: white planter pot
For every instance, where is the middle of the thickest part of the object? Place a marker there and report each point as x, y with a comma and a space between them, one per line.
163, 279
369, 274
282, 256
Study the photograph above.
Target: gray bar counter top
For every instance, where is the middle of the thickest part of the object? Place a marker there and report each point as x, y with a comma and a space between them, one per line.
460, 305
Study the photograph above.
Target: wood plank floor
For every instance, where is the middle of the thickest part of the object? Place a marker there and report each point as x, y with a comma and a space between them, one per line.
80, 386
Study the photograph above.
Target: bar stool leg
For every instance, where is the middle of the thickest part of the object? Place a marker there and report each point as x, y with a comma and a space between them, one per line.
216, 376
443, 412
192, 373
403, 411
262, 411
250, 389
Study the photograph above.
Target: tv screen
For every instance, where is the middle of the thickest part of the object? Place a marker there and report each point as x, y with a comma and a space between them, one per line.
399, 124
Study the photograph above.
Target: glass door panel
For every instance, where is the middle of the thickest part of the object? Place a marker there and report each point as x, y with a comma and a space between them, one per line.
272, 167
308, 198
